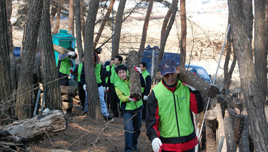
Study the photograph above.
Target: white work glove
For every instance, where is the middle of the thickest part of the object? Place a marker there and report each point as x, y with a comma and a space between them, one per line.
137, 69
71, 53
104, 89
85, 87
192, 88
145, 97
156, 143
132, 99
107, 88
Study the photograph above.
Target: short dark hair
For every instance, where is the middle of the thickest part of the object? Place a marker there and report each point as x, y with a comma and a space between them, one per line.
70, 48
121, 67
112, 59
119, 58
82, 55
144, 64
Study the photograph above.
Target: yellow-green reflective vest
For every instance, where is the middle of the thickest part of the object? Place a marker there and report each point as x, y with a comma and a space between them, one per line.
108, 68
98, 72
65, 66
145, 73
80, 67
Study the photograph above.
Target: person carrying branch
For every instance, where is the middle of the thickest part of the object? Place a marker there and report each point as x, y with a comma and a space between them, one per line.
169, 120
145, 90
130, 107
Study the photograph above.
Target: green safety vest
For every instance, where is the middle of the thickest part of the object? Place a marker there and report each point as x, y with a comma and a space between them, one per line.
124, 87
174, 111
80, 67
65, 66
114, 77
98, 72
108, 68
145, 73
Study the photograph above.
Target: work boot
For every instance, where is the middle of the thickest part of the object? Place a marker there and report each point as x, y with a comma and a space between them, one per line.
108, 118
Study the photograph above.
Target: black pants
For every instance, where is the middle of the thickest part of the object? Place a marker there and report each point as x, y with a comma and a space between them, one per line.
114, 101
144, 108
64, 80
190, 150
108, 99
82, 94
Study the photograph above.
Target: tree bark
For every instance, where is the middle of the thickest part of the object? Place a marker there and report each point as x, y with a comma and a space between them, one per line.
57, 24
92, 90
9, 25
71, 17
5, 81
198, 83
78, 29
49, 69
23, 103
145, 27
183, 33
229, 134
106, 18
117, 30
134, 77
82, 19
210, 122
220, 130
259, 48
242, 25
53, 12
27, 129
244, 144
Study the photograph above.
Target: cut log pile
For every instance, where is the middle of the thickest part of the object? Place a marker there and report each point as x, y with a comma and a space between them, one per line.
227, 118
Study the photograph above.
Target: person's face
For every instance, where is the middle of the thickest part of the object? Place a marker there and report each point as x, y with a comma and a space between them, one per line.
142, 67
83, 59
122, 74
111, 62
116, 61
171, 78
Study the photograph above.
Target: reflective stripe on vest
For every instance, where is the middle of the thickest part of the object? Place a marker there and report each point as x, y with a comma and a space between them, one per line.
174, 111
124, 87
80, 67
98, 72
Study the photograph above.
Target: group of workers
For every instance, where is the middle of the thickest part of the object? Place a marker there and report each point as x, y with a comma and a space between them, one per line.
167, 109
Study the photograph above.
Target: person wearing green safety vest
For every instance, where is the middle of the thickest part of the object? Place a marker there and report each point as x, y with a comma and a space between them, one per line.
145, 90
107, 74
65, 62
80, 73
169, 120
113, 79
130, 107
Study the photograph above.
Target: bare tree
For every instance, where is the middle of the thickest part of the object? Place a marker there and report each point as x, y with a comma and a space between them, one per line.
174, 8
49, 70
82, 7
260, 52
106, 18
9, 26
53, 12
92, 90
183, 33
117, 29
23, 102
71, 16
57, 25
241, 21
145, 27
78, 28
5, 89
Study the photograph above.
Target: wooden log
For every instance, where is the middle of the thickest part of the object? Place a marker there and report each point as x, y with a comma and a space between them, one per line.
244, 143
229, 133
211, 123
27, 129
220, 130
266, 112
68, 90
134, 77
60, 49
198, 83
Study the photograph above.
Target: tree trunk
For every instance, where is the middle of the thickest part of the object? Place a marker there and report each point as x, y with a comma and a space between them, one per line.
183, 33
165, 22
23, 103
92, 90
9, 25
106, 18
53, 12
5, 89
57, 24
78, 29
145, 27
134, 77
71, 17
242, 25
210, 131
198, 83
259, 48
49, 69
83, 19
27, 129
117, 30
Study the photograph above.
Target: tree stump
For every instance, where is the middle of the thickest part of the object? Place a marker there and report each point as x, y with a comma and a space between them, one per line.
134, 77
244, 144
198, 83
211, 123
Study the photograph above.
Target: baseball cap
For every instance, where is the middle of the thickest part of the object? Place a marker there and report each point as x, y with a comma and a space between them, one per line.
167, 66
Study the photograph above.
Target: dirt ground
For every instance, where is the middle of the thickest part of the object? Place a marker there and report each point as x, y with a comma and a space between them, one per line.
84, 134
